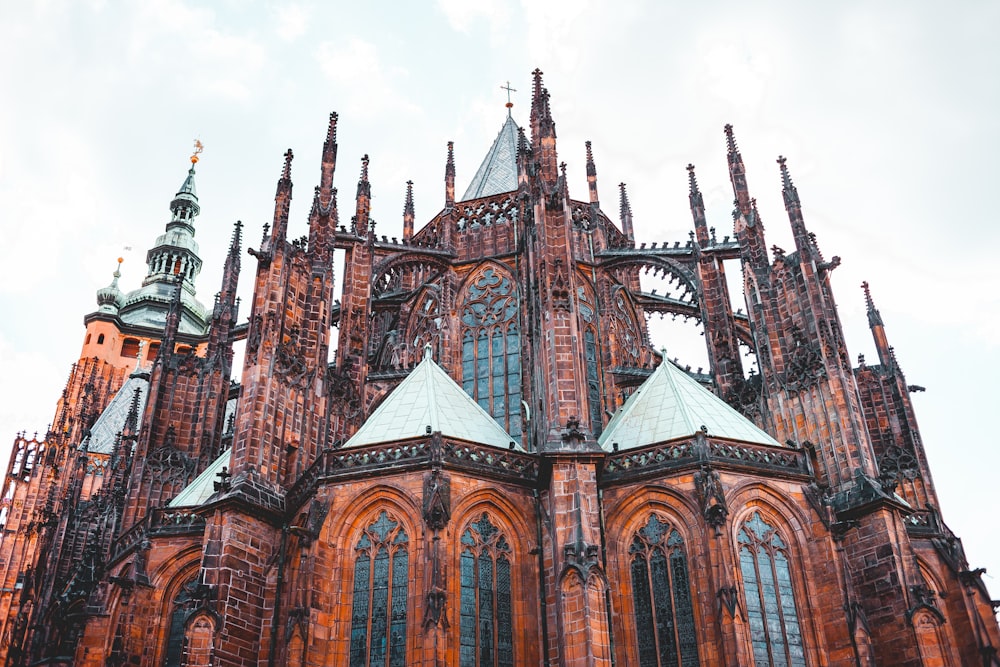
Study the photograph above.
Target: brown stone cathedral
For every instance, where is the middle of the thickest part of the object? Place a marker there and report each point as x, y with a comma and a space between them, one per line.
493, 467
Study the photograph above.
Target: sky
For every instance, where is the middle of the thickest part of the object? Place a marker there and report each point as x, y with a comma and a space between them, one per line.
885, 111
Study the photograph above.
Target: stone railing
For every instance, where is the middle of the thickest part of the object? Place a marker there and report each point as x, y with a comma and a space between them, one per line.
167, 521
648, 461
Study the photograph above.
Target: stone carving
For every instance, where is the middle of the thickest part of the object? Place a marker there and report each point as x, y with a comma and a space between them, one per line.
437, 500
711, 497
805, 362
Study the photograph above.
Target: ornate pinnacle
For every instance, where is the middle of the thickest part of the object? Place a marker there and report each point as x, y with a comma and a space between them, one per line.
449, 167
408, 206
734, 152
625, 208
787, 187
331, 132
692, 181
237, 240
591, 168
286, 172
874, 317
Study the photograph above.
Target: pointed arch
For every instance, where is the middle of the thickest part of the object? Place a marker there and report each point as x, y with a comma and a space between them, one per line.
489, 329
381, 571
199, 641
486, 624
765, 565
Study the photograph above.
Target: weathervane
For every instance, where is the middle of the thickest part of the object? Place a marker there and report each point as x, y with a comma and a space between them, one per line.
509, 105
198, 148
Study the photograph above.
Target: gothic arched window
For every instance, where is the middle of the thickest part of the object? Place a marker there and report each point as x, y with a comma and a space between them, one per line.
486, 632
664, 615
491, 348
378, 619
593, 379
767, 583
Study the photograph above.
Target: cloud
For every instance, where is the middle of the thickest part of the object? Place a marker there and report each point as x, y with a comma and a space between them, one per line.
292, 21
462, 14
355, 67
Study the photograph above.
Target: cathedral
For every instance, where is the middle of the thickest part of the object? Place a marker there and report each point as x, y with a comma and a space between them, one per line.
474, 456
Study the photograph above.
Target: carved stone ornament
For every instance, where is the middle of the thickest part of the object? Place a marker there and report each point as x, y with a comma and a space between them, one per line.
711, 497
896, 465
729, 599
805, 362
435, 609
437, 500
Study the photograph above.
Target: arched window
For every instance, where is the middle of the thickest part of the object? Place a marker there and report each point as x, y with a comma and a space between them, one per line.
767, 583
378, 620
100, 339
593, 380
184, 603
491, 348
661, 589
486, 633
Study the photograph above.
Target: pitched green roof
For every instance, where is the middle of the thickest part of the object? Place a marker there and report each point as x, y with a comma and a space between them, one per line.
429, 397
671, 404
498, 172
202, 486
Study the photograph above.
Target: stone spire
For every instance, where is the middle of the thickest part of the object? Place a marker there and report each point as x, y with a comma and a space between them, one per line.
282, 201
363, 200
625, 210
449, 177
697, 203
803, 243
885, 355
592, 177
408, 215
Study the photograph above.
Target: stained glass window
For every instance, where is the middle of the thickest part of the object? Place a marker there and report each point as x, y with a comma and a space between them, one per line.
767, 583
378, 619
486, 636
593, 380
491, 348
661, 591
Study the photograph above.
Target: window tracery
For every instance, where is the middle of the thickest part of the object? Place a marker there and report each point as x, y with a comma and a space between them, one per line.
767, 584
486, 624
491, 348
661, 589
378, 618
625, 330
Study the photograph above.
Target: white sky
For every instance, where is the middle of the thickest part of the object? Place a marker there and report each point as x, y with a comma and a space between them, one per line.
886, 111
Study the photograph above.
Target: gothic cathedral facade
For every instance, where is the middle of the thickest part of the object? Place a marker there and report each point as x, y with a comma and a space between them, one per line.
474, 457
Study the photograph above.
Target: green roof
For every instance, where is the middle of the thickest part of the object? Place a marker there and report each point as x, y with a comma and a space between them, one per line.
671, 404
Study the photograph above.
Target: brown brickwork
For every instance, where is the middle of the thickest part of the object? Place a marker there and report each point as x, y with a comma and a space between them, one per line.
824, 546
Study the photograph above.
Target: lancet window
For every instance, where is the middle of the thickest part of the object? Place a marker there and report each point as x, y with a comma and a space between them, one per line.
378, 619
491, 347
183, 605
486, 633
661, 590
770, 598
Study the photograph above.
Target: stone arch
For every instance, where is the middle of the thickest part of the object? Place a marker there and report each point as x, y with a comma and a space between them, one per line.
520, 530
393, 266
787, 521
199, 640
342, 532
340, 525
932, 641
623, 524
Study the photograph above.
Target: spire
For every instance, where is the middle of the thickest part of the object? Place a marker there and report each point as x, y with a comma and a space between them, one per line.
329, 164
737, 173
592, 176
283, 199
498, 171
697, 208
449, 177
408, 213
885, 355
184, 207
543, 131
110, 299
803, 243
363, 200
626, 213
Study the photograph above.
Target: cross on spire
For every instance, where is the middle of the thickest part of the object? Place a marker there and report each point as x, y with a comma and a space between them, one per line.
509, 105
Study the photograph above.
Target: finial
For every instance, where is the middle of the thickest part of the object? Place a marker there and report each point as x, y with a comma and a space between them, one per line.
625, 208
731, 141
787, 187
364, 167
286, 171
590, 158
236, 242
874, 317
331, 131
509, 105
428, 351
198, 148
692, 182
118, 272
408, 206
